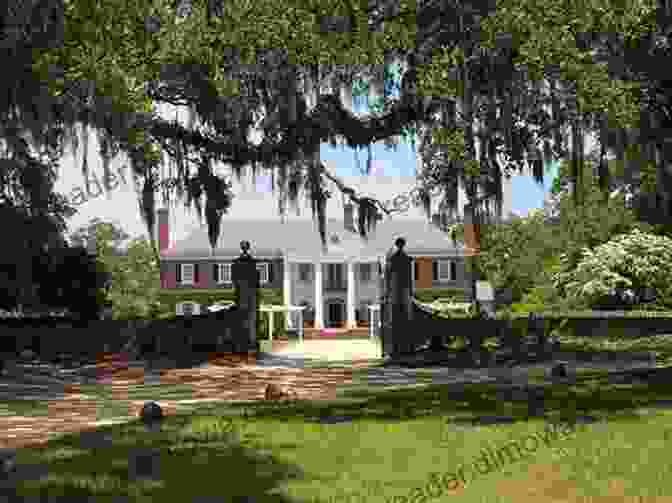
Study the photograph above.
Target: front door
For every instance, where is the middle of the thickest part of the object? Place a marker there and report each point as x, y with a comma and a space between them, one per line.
335, 314
335, 276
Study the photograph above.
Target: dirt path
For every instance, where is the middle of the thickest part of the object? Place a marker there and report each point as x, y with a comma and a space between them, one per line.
219, 379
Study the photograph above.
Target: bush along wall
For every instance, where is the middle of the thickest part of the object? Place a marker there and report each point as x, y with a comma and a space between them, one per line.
429, 295
206, 297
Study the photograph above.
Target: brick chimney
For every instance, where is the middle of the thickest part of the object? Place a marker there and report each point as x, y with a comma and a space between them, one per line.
348, 216
472, 231
164, 236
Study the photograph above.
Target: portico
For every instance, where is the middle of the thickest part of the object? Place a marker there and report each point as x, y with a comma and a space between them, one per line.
332, 285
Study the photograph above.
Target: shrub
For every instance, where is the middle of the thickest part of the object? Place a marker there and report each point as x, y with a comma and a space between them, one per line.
628, 262
520, 307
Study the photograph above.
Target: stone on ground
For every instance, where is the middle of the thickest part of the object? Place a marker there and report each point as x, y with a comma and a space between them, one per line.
7, 461
151, 413
559, 370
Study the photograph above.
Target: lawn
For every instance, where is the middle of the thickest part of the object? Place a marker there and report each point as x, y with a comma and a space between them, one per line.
389, 443
392, 444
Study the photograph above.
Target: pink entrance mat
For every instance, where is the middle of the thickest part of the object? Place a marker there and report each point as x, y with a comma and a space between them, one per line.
330, 331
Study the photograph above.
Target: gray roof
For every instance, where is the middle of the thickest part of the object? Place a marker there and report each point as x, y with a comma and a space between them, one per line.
271, 238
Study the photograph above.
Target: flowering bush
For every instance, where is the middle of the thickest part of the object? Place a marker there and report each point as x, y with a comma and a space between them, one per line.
619, 269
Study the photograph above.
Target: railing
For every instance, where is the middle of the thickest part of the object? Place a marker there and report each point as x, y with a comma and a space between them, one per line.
374, 321
428, 308
298, 310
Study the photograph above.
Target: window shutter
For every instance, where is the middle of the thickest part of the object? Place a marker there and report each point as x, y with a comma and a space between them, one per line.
453, 271
435, 270
215, 273
417, 270
179, 273
195, 273
269, 267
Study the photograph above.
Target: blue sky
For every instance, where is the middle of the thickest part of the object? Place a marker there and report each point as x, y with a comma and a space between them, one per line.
526, 194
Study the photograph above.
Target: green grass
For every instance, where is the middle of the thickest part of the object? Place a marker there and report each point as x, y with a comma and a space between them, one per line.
395, 440
22, 408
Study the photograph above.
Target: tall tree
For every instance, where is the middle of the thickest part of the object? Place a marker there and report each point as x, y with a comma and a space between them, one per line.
112, 235
116, 57
135, 278
71, 278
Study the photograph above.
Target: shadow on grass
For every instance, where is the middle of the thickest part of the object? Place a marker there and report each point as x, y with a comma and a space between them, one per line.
197, 459
182, 462
589, 396
570, 348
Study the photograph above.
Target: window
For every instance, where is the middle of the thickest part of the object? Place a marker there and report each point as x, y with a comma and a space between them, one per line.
187, 274
304, 272
224, 273
365, 272
263, 273
446, 270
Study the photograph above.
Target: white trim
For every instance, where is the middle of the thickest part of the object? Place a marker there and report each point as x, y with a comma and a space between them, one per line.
227, 258
351, 321
222, 266
182, 274
262, 267
287, 290
292, 257
319, 307
446, 263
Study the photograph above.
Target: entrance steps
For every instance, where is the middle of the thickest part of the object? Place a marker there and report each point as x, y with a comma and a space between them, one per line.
333, 333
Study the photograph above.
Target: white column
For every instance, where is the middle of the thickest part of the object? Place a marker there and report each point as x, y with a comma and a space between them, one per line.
287, 286
319, 320
352, 322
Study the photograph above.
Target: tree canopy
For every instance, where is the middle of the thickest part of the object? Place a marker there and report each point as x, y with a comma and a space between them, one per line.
490, 87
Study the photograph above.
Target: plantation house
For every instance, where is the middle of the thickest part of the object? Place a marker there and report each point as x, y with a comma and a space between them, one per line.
336, 284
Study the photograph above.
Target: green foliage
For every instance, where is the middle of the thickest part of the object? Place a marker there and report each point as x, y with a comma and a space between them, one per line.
169, 298
68, 277
526, 307
513, 253
591, 224
429, 295
544, 35
134, 281
634, 261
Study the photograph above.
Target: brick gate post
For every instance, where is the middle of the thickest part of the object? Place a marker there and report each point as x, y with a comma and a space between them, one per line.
246, 281
399, 297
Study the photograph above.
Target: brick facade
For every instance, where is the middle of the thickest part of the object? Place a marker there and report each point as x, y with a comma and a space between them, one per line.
423, 277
